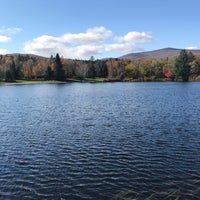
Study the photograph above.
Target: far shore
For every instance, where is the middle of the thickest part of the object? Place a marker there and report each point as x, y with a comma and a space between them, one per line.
86, 80
27, 82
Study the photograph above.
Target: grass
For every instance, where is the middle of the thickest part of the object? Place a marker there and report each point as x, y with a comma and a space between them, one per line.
88, 80
95, 80
26, 82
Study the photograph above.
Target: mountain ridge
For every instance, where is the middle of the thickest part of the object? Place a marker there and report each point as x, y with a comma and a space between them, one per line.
163, 53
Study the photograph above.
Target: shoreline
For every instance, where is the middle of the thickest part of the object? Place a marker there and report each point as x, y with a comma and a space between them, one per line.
32, 82
88, 80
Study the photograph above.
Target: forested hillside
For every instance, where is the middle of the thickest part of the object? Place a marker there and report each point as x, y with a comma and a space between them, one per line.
31, 67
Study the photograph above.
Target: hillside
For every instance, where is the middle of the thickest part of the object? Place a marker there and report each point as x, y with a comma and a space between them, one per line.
157, 54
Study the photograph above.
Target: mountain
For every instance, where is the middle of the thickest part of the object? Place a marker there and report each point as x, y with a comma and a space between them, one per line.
157, 54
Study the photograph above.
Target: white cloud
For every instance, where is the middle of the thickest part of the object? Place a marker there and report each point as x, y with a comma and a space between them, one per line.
86, 50
3, 51
192, 48
93, 35
94, 41
4, 38
122, 47
9, 31
129, 42
135, 37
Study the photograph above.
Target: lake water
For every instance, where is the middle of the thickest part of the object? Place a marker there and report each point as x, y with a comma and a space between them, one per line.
100, 141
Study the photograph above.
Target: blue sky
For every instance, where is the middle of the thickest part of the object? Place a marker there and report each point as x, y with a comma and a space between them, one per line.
107, 28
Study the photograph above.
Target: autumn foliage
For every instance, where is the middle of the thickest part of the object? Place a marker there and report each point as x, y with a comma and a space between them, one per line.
168, 72
31, 67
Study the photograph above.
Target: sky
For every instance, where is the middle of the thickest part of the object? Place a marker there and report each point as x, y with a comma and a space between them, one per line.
79, 29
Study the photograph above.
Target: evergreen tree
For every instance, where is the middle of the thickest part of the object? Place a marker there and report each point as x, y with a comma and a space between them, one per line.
13, 71
18, 66
9, 76
49, 73
182, 65
101, 68
59, 71
91, 70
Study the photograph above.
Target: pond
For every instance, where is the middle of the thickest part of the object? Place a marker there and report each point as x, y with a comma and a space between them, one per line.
100, 141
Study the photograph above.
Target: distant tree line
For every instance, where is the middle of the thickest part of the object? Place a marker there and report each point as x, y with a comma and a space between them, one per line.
14, 67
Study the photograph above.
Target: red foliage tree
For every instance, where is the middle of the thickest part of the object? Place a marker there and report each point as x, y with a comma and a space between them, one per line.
168, 72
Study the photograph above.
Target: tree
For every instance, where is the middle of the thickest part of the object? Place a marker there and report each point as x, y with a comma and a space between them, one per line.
28, 68
9, 76
168, 72
18, 66
195, 67
132, 71
81, 70
49, 74
101, 68
91, 70
59, 71
92, 58
182, 65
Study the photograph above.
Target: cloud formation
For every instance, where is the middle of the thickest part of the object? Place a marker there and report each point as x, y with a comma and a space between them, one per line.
3, 51
10, 31
4, 38
138, 37
192, 48
94, 41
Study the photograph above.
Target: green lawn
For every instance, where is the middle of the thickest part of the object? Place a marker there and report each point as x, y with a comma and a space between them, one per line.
18, 82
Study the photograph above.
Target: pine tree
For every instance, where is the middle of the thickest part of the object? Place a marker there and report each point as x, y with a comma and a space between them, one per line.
59, 71
182, 65
49, 74
91, 70
13, 71
9, 76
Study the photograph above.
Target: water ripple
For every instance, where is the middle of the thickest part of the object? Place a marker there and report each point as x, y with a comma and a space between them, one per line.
91, 142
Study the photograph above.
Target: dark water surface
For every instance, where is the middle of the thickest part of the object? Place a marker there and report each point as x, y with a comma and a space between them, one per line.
100, 141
